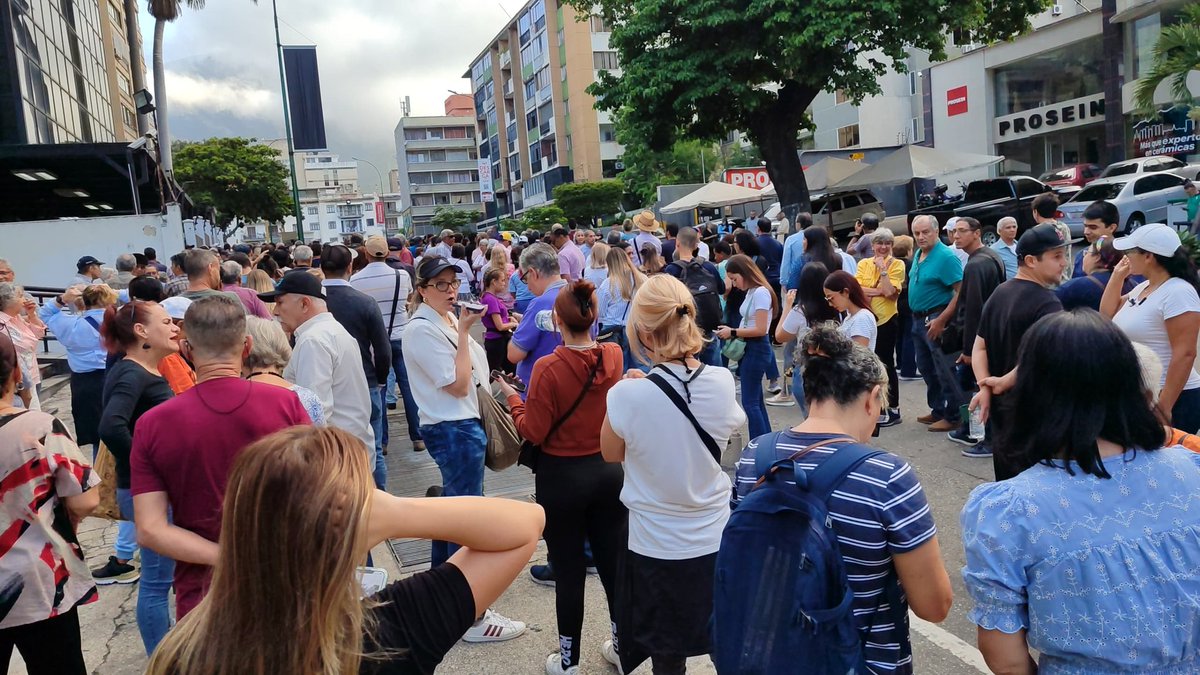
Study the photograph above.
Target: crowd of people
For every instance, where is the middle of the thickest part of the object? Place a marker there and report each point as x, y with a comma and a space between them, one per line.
236, 404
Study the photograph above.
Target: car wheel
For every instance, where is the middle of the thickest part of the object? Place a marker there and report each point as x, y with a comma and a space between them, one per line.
988, 236
1135, 221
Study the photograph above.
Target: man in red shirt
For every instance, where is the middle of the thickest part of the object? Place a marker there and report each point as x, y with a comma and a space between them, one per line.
183, 452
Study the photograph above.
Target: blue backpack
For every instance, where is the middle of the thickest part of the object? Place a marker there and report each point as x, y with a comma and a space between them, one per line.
781, 595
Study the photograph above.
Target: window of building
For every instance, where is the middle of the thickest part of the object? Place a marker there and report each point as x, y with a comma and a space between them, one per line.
462, 176
455, 132
439, 177
115, 15
840, 97
608, 133
917, 130
312, 211
370, 222
480, 68
537, 14
535, 156
848, 136
914, 84
422, 200
414, 134
441, 199
523, 26
1068, 72
458, 155
531, 120
1145, 35
561, 38
463, 198
437, 133
420, 178
599, 25
130, 117
123, 84
530, 89
331, 209
605, 60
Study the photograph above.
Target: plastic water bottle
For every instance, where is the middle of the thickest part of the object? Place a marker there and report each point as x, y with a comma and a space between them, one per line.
976, 430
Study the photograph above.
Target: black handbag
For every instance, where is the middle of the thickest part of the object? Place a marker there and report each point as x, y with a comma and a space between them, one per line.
531, 452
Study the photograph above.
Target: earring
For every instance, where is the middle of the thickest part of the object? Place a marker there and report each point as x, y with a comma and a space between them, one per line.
145, 345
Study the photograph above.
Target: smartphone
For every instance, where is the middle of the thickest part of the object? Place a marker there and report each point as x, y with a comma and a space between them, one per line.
473, 307
510, 379
371, 579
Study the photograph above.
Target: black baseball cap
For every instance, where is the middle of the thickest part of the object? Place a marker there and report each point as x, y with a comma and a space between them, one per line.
296, 282
1039, 239
431, 267
394, 244
86, 262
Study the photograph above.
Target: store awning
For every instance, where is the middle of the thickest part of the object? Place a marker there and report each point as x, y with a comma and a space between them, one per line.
713, 195
824, 173
914, 161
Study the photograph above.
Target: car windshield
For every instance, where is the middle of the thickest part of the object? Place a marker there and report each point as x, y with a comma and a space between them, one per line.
1061, 174
987, 190
1094, 192
818, 205
1120, 170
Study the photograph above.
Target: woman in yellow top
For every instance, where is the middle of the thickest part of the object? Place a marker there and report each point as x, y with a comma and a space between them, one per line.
882, 277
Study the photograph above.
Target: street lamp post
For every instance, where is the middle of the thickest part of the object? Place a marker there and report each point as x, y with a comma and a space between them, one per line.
287, 125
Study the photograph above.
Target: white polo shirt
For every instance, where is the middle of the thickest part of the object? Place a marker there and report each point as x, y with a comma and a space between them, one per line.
326, 360
430, 345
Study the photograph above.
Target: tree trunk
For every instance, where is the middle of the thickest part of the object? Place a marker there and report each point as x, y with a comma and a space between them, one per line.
137, 60
165, 162
776, 140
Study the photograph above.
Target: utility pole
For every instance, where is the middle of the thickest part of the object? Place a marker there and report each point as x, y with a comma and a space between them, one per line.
287, 126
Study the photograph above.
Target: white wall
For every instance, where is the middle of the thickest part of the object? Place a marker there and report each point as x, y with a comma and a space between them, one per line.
43, 252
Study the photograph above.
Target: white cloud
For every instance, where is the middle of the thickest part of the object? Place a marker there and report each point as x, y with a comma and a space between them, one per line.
191, 93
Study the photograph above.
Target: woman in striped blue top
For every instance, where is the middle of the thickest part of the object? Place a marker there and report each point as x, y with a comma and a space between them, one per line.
884, 527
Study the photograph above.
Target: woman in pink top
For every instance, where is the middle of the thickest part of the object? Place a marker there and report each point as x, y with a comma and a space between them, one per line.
18, 317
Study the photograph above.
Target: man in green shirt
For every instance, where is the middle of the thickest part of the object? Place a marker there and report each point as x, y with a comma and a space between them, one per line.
1193, 205
933, 284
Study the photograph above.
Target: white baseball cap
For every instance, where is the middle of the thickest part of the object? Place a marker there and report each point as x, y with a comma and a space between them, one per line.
1153, 238
950, 223
176, 306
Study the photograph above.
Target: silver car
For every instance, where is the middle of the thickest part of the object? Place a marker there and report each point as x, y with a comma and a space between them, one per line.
1142, 165
1141, 198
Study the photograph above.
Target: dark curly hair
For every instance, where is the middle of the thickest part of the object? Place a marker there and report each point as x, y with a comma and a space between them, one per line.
836, 367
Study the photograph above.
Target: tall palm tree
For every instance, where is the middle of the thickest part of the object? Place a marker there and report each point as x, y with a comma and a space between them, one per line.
1176, 54
164, 11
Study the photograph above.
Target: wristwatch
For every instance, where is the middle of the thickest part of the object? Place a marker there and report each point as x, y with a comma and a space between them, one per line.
733, 332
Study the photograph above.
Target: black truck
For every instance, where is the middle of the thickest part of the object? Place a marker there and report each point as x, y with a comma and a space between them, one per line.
988, 201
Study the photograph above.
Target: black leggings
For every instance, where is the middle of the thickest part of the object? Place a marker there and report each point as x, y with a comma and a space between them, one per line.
497, 354
582, 499
885, 349
49, 647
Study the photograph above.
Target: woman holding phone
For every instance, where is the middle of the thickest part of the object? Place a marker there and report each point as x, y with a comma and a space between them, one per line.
445, 365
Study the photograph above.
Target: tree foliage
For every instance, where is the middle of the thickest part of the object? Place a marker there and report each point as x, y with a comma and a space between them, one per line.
535, 218
646, 169
1175, 55
236, 177
587, 201
701, 69
446, 218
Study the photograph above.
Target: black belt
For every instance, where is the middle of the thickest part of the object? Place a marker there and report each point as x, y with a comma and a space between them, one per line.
929, 312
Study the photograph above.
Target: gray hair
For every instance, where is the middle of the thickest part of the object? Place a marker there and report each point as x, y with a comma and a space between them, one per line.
126, 262
5, 263
216, 325
883, 236
8, 293
196, 262
269, 346
1005, 221
688, 238
302, 252
542, 258
231, 272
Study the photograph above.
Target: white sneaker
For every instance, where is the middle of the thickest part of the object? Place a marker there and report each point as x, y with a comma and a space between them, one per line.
610, 654
494, 627
782, 399
554, 666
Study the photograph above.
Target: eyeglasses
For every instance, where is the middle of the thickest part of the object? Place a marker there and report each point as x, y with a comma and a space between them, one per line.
444, 286
829, 299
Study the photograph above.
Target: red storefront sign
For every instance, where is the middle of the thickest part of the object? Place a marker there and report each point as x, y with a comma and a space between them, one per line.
751, 177
956, 101
380, 216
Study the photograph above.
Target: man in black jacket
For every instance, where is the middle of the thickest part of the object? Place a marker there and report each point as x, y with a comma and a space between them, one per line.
359, 315
982, 274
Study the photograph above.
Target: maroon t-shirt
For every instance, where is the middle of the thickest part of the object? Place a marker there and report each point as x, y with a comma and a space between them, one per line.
186, 449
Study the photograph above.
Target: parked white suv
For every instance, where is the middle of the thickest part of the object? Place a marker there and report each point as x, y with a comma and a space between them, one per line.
1151, 164
840, 210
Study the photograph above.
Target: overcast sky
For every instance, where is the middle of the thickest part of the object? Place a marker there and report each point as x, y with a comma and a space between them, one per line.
223, 77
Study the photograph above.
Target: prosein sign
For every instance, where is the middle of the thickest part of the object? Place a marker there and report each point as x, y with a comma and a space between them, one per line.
1043, 120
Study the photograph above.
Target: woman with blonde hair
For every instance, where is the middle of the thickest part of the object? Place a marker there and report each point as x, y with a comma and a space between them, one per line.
260, 282
675, 490
614, 298
498, 260
756, 312
597, 268
652, 262
326, 518
269, 355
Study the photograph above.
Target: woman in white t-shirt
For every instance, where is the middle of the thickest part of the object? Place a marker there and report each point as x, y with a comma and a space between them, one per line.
845, 294
675, 490
808, 309
1162, 313
757, 309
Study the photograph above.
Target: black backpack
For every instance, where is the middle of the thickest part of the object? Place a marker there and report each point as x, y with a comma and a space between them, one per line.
703, 286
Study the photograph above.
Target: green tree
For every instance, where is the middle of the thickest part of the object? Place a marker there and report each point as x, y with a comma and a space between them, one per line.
704, 69
445, 218
1176, 54
586, 201
236, 177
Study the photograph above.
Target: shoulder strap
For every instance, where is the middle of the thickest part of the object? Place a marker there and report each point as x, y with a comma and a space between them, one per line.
1096, 281
709, 441
92, 321
587, 384
765, 457
395, 304
825, 478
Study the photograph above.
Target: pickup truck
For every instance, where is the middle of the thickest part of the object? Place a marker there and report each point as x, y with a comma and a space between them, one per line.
990, 200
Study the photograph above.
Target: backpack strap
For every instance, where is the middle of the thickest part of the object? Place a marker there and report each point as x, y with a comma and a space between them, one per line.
766, 460
825, 478
395, 304
92, 322
764, 456
708, 440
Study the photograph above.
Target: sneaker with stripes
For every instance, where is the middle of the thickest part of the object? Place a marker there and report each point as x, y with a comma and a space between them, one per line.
494, 627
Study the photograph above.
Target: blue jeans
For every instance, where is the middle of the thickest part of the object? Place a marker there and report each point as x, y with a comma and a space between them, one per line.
944, 392
390, 389
410, 405
458, 447
710, 354
751, 369
619, 337
1185, 415
378, 422
158, 574
798, 390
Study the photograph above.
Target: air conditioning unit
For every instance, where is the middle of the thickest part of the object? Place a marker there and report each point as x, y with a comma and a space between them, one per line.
1056, 10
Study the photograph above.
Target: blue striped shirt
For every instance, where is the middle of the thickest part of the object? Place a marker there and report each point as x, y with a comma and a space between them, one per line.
879, 510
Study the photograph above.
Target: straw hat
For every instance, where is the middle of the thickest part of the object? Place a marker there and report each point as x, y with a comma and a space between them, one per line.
645, 222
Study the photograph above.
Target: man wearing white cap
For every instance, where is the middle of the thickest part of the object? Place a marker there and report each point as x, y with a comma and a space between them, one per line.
949, 229
1163, 313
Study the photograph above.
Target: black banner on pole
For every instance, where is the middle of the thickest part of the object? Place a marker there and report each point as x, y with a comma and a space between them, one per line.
304, 98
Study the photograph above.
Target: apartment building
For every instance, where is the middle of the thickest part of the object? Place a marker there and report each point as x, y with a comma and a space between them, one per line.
116, 38
537, 125
438, 166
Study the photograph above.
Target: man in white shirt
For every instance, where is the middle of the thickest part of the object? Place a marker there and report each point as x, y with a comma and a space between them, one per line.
1006, 245
443, 248
390, 288
326, 359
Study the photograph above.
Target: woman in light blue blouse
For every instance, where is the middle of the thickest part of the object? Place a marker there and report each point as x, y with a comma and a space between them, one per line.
613, 298
1092, 555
